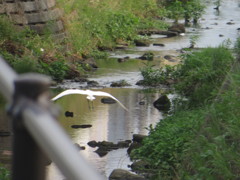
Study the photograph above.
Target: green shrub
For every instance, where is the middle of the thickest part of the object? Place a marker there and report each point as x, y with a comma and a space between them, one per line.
237, 48
213, 153
122, 25
156, 76
25, 65
201, 74
7, 29
201, 143
178, 9
4, 173
57, 69
165, 144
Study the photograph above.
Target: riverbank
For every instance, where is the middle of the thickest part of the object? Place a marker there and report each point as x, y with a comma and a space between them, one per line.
199, 139
92, 28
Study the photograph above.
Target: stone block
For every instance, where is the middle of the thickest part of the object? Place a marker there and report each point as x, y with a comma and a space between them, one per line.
9, 1
59, 37
30, 6
50, 3
2, 9
37, 5
11, 8
52, 27
18, 19
42, 17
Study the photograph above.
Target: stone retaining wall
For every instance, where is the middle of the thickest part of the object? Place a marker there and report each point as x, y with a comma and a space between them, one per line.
40, 15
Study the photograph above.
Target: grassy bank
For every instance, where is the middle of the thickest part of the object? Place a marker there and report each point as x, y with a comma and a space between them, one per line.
200, 139
92, 26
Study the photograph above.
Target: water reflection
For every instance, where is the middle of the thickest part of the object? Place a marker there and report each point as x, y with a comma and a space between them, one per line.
110, 122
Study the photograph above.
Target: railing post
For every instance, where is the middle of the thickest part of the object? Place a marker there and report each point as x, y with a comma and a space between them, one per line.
35, 129
29, 161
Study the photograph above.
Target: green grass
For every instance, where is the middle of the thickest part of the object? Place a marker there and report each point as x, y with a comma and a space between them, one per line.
202, 141
104, 23
4, 173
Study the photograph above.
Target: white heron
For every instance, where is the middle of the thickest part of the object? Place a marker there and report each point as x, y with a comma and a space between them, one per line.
90, 95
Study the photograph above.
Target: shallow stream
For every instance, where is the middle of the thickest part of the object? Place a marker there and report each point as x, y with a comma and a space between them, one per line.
111, 122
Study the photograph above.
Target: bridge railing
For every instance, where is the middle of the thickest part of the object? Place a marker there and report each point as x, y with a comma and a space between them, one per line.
36, 134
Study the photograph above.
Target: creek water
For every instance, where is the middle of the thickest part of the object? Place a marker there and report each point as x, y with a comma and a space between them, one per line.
110, 122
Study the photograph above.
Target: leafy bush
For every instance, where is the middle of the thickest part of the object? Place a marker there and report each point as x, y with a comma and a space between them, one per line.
193, 9
237, 48
156, 76
165, 144
178, 9
213, 153
122, 25
57, 69
201, 143
7, 29
102, 23
25, 65
4, 173
202, 73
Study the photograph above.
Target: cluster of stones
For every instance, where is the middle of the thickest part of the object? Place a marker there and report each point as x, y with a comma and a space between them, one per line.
40, 15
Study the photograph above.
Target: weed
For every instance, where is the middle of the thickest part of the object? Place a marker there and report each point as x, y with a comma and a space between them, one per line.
4, 173
202, 73
156, 76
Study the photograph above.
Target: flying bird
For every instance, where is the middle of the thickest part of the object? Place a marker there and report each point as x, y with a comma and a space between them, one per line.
90, 95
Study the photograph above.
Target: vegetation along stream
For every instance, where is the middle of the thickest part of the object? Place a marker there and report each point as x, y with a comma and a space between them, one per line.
108, 122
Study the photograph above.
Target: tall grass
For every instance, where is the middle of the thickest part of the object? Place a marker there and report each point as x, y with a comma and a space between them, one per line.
201, 142
103, 23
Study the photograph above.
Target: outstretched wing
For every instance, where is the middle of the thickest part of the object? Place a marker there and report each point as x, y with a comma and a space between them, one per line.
68, 92
100, 93
87, 92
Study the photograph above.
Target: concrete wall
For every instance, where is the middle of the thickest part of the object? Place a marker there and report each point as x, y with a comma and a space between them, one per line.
40, 15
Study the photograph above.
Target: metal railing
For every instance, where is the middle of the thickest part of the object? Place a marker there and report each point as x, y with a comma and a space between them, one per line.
36, 134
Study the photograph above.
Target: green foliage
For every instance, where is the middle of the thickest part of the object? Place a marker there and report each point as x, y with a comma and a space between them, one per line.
193, 40
237, 48
217, 3
213, 153
23, 50
202, 73
156, 76
6, 30
122, 25
176, 10
25, 65
167, 141
104, 22
201, 143
57, 69
191, 9
4, 173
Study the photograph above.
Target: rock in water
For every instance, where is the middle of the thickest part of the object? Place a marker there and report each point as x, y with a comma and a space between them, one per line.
120, 174
162, 103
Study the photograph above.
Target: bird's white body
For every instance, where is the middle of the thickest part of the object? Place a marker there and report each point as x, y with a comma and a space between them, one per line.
90, 95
